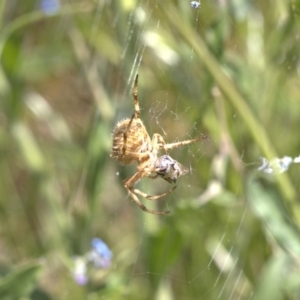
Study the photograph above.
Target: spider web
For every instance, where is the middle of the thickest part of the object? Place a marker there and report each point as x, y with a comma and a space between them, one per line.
228, 280
216, 243
225, 69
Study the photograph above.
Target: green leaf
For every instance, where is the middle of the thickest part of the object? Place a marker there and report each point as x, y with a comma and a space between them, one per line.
270, 209
271, 283
20, 281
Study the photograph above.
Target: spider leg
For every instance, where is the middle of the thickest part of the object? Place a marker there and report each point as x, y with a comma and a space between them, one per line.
137, 155
143, 207
129, 183
135, 98
135, 115
136, 191
183, 143
158, 142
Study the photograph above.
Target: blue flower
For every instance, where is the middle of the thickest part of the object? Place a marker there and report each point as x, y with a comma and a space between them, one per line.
195, 4
101, 248
50, 7
100, 255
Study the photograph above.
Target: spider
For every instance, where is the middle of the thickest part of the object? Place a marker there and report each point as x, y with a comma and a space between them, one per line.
132, 143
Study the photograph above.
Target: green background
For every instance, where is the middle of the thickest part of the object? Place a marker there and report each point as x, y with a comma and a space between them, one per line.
229, 69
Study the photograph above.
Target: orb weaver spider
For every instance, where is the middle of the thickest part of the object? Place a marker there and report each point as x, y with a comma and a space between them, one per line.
132, 143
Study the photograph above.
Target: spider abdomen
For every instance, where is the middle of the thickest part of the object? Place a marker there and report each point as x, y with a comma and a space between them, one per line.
138, 141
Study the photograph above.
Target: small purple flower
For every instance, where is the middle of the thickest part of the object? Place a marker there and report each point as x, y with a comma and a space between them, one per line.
81, 279
50, 7
80, 271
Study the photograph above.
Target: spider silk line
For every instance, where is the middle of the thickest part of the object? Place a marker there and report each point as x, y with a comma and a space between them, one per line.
96, 21
236, 284
127, 38
217, 248
228, 276
228, 256
136, 62
140, 51
130, 31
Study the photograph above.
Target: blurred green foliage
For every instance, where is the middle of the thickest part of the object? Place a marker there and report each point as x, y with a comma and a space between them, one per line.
229, 69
